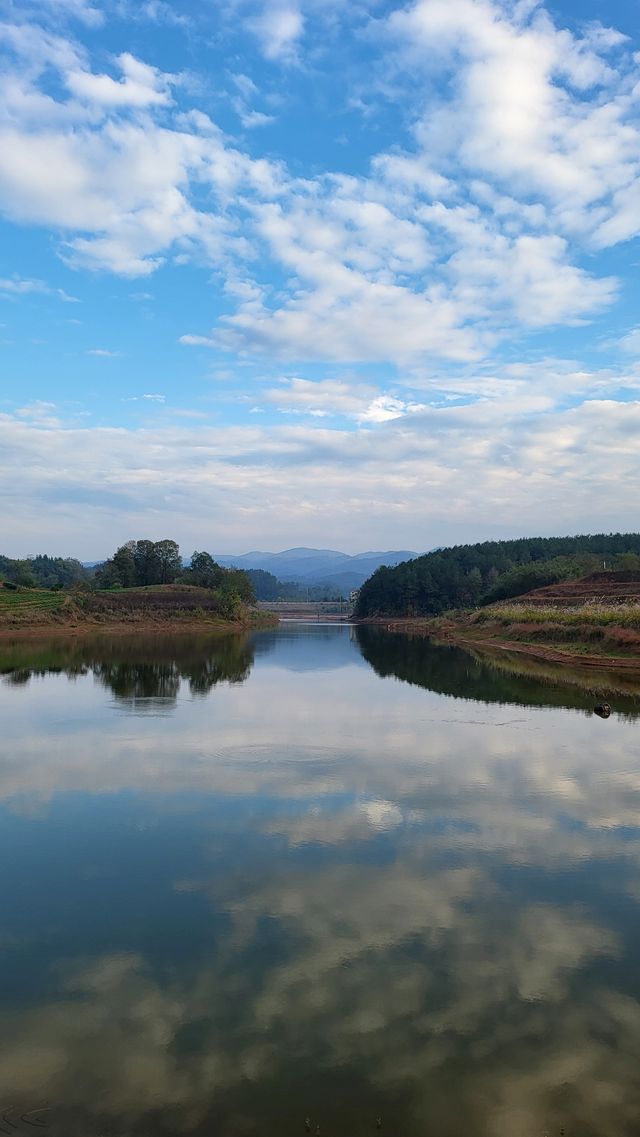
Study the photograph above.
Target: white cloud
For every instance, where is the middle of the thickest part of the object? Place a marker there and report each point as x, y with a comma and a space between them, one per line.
322, 398
247, 91
436, 253
18, 286
55, 10
278, 28
140, 85
251, 119
449, 470
367, 322
103, 351
630, 343
151, 398
159, 11
391, 266
385, 408
197, 341
533, 107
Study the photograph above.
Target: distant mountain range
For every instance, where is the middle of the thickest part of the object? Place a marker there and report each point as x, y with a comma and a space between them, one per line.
317, 566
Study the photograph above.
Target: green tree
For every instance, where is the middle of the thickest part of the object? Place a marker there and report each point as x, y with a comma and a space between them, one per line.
147, 562
124, 565
23, 574
170, 564
204, 571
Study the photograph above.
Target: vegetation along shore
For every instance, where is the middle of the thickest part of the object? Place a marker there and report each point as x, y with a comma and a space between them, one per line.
144, 586
585, 608
560, 599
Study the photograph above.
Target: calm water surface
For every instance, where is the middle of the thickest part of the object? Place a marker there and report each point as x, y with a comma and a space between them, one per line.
318, 873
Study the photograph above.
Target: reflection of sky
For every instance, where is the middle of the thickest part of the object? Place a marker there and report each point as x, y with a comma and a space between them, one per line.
318, 890
297, 647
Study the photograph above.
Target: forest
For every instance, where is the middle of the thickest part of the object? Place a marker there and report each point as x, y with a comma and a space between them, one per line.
466, 576
43, 571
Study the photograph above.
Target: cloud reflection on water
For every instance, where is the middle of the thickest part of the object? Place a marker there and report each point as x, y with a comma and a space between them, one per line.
423, 905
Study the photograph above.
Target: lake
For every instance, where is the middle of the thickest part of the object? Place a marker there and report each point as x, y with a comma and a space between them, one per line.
322, 876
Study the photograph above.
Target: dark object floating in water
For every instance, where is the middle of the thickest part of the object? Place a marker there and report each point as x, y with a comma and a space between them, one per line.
602, 709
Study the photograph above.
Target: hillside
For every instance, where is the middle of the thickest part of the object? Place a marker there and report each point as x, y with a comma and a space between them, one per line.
609, 588
589, 620
468, 575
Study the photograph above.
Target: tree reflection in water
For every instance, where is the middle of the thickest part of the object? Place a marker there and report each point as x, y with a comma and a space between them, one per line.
498, 678
145, 672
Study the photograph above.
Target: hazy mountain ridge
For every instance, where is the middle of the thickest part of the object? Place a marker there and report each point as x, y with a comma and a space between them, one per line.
317, 566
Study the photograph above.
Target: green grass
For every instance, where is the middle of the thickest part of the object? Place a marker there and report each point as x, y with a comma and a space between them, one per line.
29, 600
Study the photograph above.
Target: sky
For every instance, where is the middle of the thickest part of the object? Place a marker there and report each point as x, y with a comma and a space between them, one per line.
305, 272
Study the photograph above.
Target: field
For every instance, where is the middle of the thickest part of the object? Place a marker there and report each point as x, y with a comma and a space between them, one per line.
30, 605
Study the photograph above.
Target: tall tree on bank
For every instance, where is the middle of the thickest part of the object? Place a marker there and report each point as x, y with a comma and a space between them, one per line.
170, 564
139, 563
142, 563
205, 571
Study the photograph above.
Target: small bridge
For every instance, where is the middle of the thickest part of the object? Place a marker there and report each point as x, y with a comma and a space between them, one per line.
312, 611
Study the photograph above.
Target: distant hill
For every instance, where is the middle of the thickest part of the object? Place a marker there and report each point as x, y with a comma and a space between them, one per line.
317, 566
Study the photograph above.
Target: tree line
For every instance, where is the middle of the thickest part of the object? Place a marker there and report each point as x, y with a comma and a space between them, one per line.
138, 564
470, 575
135, 564
43, 571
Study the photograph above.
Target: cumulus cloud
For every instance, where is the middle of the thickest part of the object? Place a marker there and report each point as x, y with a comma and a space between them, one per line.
140, 85
389, 265
480, 224
278, 28
534, 107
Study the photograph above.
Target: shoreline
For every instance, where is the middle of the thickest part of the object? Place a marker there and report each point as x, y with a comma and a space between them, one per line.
451, 634
134, 627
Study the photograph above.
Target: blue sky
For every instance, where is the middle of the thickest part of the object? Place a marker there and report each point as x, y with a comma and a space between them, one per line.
286, 272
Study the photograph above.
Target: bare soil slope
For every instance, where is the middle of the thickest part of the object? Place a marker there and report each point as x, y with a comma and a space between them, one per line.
595, 617
607, 588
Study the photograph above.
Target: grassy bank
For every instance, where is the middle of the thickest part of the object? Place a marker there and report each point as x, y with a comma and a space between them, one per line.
591, 620
590, 633
586, 629
159, 607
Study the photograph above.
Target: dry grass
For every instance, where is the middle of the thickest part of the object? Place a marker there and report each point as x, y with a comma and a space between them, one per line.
594, 613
